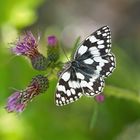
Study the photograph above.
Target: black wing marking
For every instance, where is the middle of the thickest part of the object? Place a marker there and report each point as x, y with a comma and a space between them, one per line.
108, 67
92, 86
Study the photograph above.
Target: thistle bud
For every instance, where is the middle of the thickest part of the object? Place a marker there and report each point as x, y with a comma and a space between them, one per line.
52, 49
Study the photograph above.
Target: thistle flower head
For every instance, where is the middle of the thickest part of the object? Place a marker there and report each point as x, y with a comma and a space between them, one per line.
19, 99
52, 41
14, 102
26, 45
100, 98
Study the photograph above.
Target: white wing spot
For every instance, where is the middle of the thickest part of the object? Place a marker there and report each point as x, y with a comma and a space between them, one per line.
75, 97
93, 39
72, 91
79, 94
82, 50
107, 73
106, 30
99, 59
104, 27
85, 84
99, 68
79, 75
63, 99
58, 95
108, 41
61, 88
91, 93
106, 50
73, 84
99, 88
113, 64
100, 42
66, 76
67, 101
60, 102
101, 46
96, 92
108, 45
111, 68
68, 93
94, 77
94, 51
91, 83
71, 99
88, 61
112, 58
104, 34
57, 102
98, 32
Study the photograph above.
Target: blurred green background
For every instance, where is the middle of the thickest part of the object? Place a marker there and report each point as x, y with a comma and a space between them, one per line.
118, 117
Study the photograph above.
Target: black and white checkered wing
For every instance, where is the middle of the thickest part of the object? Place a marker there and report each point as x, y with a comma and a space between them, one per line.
95, 50
74, 82
68, 88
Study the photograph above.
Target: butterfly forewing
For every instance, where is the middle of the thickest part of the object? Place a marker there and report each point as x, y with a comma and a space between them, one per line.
97, 44
109, 66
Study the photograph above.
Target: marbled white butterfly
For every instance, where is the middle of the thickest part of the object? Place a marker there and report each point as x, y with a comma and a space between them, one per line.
85, 73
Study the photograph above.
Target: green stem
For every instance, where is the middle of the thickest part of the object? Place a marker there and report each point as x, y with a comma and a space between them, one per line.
94, 116
122, 93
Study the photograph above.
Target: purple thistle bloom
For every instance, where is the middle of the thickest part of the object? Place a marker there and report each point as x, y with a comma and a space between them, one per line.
14, 103
19, 99
100, 98
52, 41
26, 45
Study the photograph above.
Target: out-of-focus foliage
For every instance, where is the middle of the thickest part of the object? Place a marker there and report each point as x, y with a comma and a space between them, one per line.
18, 13
115, 119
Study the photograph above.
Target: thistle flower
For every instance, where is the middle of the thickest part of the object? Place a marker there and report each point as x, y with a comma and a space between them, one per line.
52, 49
27, 46
100, 98
52, 41
19, 99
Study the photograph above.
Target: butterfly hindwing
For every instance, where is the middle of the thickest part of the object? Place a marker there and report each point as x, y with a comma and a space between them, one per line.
93, 86
68, 88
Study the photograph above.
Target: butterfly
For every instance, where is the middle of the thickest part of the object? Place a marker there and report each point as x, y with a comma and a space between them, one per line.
92, 62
